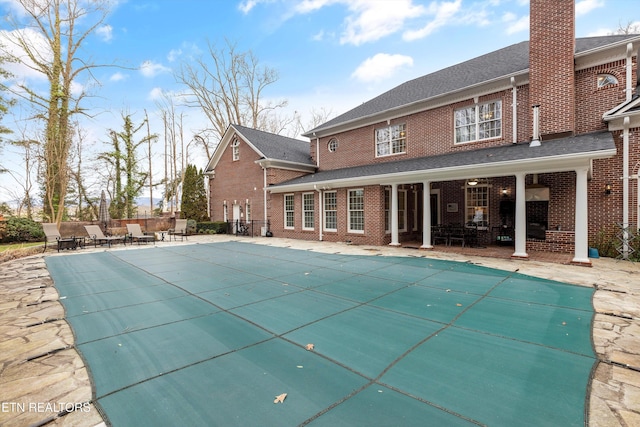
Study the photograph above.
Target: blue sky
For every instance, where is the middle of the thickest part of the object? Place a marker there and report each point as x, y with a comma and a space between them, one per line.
331, 54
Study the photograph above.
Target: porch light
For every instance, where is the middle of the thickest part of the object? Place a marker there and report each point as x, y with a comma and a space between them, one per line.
607, 189
504, 191
472, 182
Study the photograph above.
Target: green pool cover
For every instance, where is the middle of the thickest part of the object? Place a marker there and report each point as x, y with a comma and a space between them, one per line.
211, 334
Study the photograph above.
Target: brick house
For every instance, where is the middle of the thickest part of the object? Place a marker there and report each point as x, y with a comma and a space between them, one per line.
244, 164
536, 143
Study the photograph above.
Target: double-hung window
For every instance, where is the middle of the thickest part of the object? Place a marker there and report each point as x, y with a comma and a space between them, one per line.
402, 210
330, 211
356, 211
308, 211
289, 211
478, 122
391, 140
477, 205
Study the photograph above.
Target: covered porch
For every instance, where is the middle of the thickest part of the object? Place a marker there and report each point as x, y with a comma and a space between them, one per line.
506, 172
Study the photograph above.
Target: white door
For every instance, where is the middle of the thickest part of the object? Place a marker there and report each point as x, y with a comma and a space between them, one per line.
236, 217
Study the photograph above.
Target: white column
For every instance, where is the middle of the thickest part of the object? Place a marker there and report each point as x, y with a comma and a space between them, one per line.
521, 218
426, 216
581, 226
394, 216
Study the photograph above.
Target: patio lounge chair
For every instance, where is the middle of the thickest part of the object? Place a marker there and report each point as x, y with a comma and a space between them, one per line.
179, 230
52, 235
136, 234
98, 237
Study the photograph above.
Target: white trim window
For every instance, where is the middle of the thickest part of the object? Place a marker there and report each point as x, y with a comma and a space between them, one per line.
330, 211
415, 210
387, 205
391, 140
402, 210
332, 145
606, 80
225, 211
308, 211
478, 122
356, 210
289, 217
247, 211
477, 206
235, 147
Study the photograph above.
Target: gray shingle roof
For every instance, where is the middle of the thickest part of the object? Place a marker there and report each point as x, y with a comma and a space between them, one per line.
500, 63
277, 147
586, 143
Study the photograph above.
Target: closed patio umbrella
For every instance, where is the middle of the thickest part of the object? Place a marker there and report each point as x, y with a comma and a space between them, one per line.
103, 212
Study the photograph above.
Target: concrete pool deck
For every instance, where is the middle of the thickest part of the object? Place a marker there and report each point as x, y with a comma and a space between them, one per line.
41, 374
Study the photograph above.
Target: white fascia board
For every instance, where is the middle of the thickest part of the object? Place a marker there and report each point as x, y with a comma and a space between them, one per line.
222, 145
616, 122
469, 92
553, 164
283, 164
604, 54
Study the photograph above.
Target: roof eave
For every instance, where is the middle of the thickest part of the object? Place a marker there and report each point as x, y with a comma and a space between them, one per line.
285, 164
421, 105
548, 164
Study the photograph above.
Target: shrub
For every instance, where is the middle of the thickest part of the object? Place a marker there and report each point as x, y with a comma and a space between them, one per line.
218, 227
23, 230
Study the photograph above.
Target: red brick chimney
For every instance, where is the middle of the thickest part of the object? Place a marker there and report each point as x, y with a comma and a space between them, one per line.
551, 66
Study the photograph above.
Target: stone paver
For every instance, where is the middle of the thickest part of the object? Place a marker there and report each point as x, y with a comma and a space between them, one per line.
43, 380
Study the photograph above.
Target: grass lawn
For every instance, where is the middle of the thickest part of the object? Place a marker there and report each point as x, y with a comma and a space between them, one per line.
9, 251
12, 246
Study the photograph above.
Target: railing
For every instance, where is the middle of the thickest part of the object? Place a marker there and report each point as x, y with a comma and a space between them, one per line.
626, 235
253, 228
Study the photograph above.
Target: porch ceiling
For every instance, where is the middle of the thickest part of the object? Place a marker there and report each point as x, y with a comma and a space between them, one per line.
563, 154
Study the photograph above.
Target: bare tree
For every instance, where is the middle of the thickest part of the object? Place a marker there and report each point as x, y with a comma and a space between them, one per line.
628, 28
173, 135
61, 27
228, 86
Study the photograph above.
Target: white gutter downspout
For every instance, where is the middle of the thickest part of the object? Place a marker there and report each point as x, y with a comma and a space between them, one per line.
317, 151
321, 207
628, 90
265, 195
625, 188
514, 109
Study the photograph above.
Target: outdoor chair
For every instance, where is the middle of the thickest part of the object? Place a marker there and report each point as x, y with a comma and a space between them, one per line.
98, 237
457, 234
439, 234
180, 229
136, 234
52, 234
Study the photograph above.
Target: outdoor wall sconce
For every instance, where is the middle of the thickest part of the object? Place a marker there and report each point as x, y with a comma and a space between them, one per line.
472, 182
504, 192
607, 189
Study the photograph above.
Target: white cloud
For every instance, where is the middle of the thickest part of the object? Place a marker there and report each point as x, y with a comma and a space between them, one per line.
374, 19
105, 32
151, 69
443, 14
24, 69
318, 36
585, 6
118, 77
174, 54
245, 6
381, 66
515, 24
155, 94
